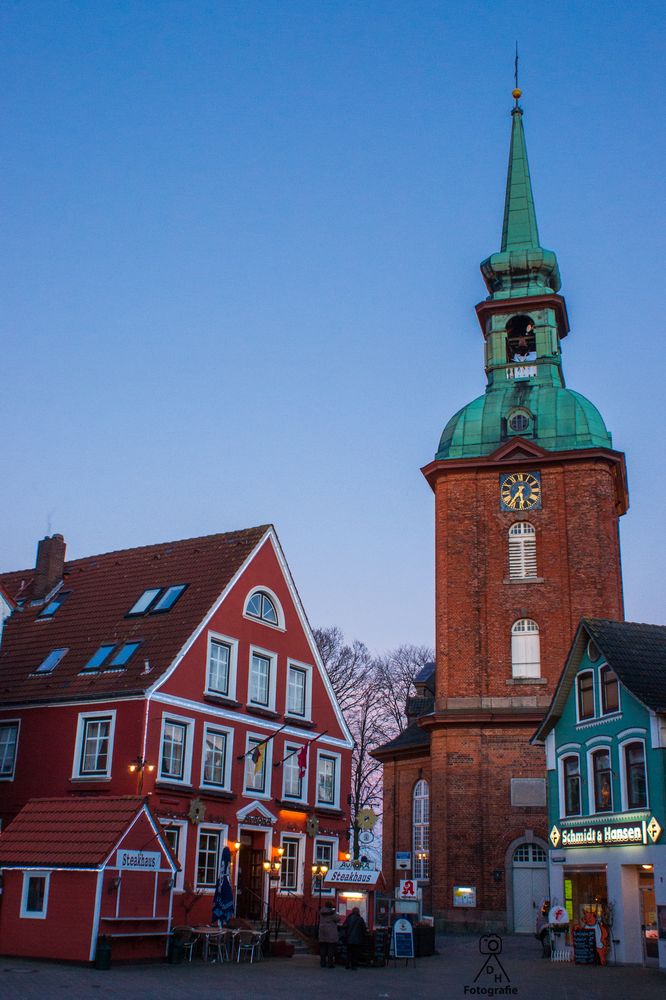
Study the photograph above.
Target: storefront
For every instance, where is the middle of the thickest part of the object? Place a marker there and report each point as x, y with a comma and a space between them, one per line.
355, 883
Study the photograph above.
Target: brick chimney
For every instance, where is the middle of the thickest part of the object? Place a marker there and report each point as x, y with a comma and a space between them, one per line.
49, 566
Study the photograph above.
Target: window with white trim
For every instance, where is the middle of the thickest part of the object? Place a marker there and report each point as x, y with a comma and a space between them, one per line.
570, 777
292, 781
323, 853
94, 745
635, 778
210, 842
525, 649
297, 690
176, 749
35, 895
260, 680
421, 830
610, 691
328, 779
257, 765
263, 606
585, 695
217, 750
602, 780
221, 665
522, 551
9, 732
291, 863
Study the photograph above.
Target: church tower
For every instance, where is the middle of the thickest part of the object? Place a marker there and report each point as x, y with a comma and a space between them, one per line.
528, 493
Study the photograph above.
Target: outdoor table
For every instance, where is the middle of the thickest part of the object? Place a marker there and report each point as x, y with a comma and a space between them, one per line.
208, 933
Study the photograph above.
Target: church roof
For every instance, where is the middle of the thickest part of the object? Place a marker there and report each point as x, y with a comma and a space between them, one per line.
561, 420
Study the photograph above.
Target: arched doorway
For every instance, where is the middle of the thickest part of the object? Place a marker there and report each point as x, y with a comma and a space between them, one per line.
529, 877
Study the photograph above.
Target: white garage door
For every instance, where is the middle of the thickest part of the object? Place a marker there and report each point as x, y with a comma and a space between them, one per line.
530, 886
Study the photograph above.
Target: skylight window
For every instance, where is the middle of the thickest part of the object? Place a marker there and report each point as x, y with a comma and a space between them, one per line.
48, 612
144, 601
51, 661
124, 654
98, 658
169, 598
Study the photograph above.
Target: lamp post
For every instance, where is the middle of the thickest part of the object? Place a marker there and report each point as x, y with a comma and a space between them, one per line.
272, 869
319, 871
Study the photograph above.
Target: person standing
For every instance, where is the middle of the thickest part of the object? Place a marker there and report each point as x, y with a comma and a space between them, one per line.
328, 936
354, 925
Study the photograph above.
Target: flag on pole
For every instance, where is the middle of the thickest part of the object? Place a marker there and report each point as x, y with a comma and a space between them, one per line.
302, 758
257, 756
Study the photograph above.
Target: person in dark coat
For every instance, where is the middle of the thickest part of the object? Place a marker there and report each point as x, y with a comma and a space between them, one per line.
328, 936
355, 929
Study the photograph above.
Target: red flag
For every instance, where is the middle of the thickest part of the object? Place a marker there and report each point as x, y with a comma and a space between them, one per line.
302, 758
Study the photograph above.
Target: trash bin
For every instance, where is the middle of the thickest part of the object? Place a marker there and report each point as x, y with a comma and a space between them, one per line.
176, 950
103, 953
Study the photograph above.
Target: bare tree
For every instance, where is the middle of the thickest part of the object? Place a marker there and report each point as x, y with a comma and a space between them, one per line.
394, 675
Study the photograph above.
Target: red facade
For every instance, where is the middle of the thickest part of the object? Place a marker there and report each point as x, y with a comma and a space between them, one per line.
229, 667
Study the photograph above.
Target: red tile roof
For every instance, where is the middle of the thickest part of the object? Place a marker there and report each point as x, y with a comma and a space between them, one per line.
102, 589
67, 832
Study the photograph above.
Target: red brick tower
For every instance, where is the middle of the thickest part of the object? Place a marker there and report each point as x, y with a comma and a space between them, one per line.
528, 492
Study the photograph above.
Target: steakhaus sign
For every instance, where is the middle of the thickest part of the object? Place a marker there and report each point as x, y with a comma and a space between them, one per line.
606, 834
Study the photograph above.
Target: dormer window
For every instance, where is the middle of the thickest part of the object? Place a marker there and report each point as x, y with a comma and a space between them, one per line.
520, 340
51, 661
157, 600
519, 422
261, 606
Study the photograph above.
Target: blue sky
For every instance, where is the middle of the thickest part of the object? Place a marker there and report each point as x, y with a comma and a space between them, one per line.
239, 264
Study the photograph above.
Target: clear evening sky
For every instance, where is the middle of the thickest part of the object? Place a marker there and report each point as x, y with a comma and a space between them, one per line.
240, 257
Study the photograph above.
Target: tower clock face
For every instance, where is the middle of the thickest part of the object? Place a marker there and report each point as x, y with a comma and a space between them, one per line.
520, 491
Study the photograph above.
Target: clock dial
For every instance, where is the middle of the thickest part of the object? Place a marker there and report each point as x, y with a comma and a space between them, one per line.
520, 491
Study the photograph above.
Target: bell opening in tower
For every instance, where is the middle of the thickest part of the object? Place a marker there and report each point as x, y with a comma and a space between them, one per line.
520, 340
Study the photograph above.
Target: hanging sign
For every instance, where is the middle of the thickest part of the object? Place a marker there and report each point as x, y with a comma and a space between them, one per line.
359, 872
408, 889
403, 860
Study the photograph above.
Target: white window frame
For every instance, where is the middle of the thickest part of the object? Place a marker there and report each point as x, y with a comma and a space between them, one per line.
525, 669
83, 718
564, 755
624, 783
188, 723
226, 640
33, 914
223, 830
423, 825
277, 604
326, 890
228, 756
255, 793
17, 724
300, 862
522, 551
307, 670
272, 677
179, 877
338, 759
595, 683
290, 747
599, 744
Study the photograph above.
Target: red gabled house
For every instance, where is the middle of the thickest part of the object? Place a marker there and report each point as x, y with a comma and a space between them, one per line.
185, 672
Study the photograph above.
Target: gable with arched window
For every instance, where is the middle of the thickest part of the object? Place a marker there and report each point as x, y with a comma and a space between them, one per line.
522, 551
421, 830
265, 607
525, 649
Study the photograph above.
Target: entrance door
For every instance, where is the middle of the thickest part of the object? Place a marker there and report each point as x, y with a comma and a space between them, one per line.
249, 896
649, 920
530, 886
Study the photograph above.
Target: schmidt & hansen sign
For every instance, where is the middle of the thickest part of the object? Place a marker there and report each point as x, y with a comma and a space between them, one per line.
606, 834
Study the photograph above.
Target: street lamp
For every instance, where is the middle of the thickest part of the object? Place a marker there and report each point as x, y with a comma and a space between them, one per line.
319, 871
140, 764
272, 869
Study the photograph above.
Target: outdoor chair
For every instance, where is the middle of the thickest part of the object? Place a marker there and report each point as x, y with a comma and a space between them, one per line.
188, 940
247, 943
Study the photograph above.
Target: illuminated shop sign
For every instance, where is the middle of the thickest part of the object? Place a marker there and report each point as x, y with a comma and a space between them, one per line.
606, 834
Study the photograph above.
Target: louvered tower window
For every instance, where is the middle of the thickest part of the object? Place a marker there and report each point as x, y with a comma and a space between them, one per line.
522, 551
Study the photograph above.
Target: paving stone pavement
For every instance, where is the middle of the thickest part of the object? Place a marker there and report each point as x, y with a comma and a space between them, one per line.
450, 975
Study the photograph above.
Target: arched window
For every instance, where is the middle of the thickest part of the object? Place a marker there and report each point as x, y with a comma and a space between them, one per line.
522, 551
602, 776
260, 605
525, 649
421, 830
634, 762
571, 782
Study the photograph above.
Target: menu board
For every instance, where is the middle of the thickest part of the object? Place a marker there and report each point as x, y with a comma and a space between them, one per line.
403, 939
381, 945
583, 944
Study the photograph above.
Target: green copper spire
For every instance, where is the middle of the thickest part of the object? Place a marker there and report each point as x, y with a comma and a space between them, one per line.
520, 225
523, 266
